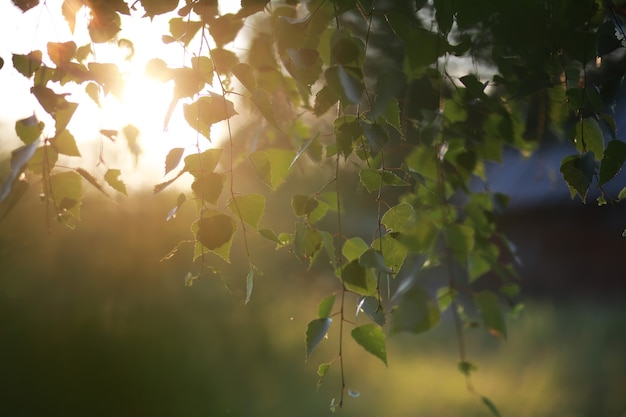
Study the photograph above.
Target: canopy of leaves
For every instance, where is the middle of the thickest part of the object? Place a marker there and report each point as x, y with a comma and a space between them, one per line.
409, 132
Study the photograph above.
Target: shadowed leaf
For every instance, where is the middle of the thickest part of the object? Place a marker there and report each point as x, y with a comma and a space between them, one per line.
112, 178
315, 332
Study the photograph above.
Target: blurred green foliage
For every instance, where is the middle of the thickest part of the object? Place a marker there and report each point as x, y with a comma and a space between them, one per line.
92, 324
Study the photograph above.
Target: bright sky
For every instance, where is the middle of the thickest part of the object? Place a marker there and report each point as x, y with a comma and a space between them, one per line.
145, 101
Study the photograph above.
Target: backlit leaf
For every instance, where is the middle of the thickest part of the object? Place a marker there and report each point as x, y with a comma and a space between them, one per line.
302, 205
262, 101
489, 306
398, 217
208, 187
315, 332
326, 306
27, 64
173, 159
216, 233
61, 53
578, 172
67, 189
64, 115
91, 179
249, 208
307, 241
394, 253
206, 111
157, 7
223, 60
65, 144
245, 75
112, 178
199, 164
353, 248
371, 338
588, 137
272, 165
358, 279
225, 28
26, 5
29, 129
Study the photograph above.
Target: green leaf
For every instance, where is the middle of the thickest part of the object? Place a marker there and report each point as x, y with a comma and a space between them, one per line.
460, 238
224, 60
91, 179
302, 205
322, 369
225, 28
215, 233
65, 144
61, 53
66, 190
303, 148
372, 258
27, 64
347, 131
491, 406
467, 368
445, 296
372, 308
173, 159
444, 14
489, 306
63, 116
326, 306
578, 172
245, 75
269, 235
182, 30
206, 111
475, 87
371, 179
371, 338
399, 217
612, 161
416, 312
315, 332
394, 252
112, 178
209, 186
346, 82
272, 165
198, 164
358, 279
307, 241
325, 98
589, 137
262, 101
29, 129
353, 248
249, 285
249, 208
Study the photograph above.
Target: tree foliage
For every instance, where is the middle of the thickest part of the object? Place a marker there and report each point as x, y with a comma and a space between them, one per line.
404, 101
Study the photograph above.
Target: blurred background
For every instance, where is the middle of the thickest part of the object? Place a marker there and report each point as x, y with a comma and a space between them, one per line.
92, 323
